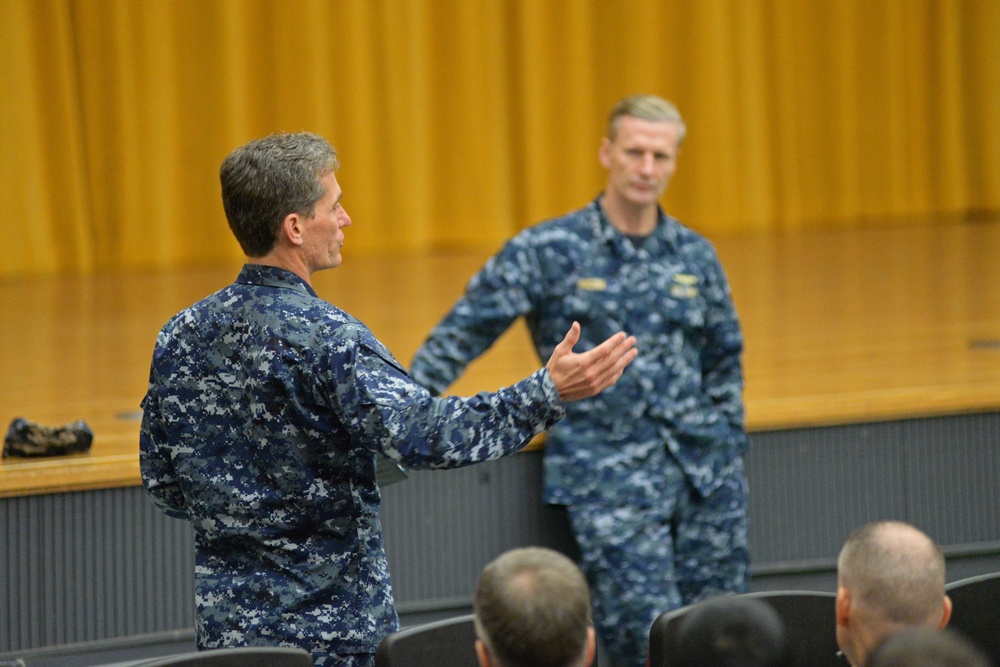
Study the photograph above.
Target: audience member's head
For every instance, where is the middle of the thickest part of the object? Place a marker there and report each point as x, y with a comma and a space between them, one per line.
926, 647
731, 631
532, 609
889, 576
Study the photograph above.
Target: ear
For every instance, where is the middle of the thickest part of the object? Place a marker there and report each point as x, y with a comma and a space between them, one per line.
946, 613
482, 654
604, 153
292, 229
588, 658
843, 605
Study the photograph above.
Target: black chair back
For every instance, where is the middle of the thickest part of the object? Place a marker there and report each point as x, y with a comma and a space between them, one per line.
809, 618
976, 611
447, 643
251, 656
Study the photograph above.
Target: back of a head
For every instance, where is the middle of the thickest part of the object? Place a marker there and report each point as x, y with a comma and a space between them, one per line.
731, 631
926, 647
896, 571
532, 608
267, 179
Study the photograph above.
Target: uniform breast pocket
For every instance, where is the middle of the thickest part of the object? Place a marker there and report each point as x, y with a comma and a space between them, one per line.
592, 302
687, 311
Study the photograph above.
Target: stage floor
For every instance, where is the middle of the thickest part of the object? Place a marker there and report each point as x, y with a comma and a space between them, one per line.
840, 327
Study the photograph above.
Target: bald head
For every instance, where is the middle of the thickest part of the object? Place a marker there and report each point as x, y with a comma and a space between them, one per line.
895, 570
889, 576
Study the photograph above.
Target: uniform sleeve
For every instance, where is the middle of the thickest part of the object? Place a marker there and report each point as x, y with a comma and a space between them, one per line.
501, 292
722, 370
155, 462
390, 413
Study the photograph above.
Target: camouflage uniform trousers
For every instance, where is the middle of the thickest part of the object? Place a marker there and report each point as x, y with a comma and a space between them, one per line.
643, 561
355, 660
323, 657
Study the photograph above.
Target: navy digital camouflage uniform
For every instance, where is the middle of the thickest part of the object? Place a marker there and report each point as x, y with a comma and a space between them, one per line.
265, 411
652, 468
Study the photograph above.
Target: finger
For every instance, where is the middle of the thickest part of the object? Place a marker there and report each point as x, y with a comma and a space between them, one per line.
606, 348
571, 338
625, 360
618, 359
607, 354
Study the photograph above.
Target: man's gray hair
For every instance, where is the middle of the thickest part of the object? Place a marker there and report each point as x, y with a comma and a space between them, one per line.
645, 107
269, 178
896, 570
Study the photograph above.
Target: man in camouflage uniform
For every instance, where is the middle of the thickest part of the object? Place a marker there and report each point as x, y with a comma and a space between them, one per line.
266, 409
652, 470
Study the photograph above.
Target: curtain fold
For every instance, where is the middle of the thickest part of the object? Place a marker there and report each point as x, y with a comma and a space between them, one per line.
460, 123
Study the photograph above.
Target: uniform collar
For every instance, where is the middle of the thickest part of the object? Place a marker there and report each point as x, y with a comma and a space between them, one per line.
663, 238
273, 276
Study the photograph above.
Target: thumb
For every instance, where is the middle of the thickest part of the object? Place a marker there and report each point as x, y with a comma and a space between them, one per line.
571, 339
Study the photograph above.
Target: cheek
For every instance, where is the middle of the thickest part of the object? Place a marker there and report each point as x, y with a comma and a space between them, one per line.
668, 172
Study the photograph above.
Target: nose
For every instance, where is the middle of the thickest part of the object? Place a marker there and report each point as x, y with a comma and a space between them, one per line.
646, 163
345, 219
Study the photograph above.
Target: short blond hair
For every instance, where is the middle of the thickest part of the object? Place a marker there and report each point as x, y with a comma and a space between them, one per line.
646, 107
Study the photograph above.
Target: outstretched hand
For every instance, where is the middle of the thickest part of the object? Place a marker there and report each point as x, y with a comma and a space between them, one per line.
588, 373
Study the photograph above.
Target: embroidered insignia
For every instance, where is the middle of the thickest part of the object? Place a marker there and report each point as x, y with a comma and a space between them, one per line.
592, 284
685, 286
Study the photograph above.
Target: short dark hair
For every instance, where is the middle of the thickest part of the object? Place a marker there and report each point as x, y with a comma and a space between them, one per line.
926, 647
532, 609
269, 178
731, 631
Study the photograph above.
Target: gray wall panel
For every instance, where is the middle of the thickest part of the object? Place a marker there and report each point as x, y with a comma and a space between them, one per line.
97, 565
441, 527
953, 469
88, 566
809, 488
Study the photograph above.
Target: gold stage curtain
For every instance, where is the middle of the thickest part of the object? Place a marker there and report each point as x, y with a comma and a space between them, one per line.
459, 123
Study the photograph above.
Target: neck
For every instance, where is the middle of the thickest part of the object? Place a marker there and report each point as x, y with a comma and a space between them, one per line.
630, 219
278, 260
867, 636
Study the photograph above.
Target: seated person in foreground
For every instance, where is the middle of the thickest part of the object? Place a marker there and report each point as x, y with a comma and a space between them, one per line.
731, 631
926, 647
532, 609
890, 576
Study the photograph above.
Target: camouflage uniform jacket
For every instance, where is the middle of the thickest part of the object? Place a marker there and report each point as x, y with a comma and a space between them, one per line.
265, 411
679, 403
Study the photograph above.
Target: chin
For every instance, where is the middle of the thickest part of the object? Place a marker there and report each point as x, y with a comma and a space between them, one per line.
650, 200
646, 195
